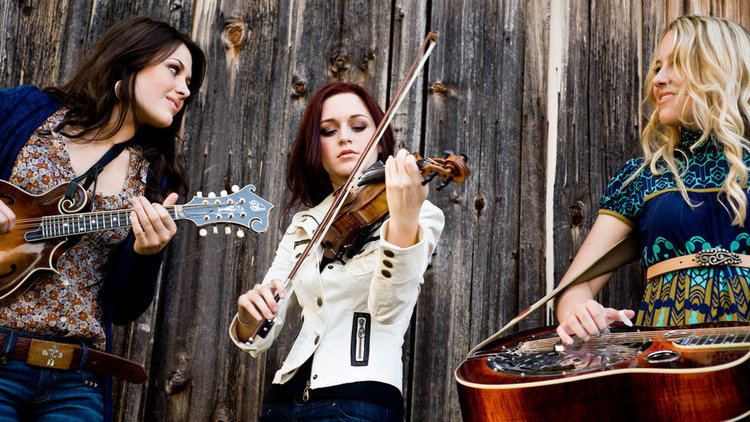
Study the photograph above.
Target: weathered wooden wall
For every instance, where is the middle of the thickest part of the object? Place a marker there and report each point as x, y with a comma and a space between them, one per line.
542, 95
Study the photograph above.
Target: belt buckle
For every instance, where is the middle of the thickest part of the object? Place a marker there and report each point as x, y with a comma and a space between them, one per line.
49, 354
716, 256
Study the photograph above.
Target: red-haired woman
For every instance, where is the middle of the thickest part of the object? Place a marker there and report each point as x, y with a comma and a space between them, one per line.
129, 97
346, 360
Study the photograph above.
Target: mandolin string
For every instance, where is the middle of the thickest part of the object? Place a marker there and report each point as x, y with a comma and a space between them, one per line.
36, 221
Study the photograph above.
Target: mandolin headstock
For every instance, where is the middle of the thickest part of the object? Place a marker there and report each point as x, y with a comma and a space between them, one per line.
243, 207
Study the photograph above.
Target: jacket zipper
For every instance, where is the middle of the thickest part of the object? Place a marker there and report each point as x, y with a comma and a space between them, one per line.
306, 392
360, 355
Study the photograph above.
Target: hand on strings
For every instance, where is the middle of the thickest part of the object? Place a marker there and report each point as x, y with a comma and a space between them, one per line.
587, 319
7, 218
258, 302
405, 194
152, 225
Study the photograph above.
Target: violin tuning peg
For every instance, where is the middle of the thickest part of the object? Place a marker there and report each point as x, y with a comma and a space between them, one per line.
429, 178
223, 193
203, 232
211, 195
240, 233
227, 230
444, 184
199, 194
235, 188
216, 230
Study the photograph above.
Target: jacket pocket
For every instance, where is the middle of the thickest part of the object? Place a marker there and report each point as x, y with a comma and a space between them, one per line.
362, 264
360, 345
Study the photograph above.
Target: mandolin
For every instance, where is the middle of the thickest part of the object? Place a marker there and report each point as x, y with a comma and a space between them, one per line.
696, 372
47, 225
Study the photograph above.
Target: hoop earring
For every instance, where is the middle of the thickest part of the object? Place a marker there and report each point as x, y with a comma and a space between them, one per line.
118, 89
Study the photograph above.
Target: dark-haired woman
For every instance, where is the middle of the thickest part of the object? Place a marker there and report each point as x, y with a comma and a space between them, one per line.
346, 360
132, 91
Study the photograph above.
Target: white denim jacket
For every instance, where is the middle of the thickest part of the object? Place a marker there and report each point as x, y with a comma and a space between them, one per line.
355, 315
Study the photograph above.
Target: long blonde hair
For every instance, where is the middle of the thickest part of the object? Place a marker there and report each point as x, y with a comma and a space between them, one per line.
712, 56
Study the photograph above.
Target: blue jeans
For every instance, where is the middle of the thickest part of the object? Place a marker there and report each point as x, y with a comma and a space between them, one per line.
33, 393
328, 410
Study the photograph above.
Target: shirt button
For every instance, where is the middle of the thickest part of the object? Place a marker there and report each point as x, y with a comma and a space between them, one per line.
315, 376
330, 267
320, 301
386, 273
388, 263
389, 253
298, 255
317, 339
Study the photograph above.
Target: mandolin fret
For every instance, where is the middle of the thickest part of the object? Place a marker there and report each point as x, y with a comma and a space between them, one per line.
77, 224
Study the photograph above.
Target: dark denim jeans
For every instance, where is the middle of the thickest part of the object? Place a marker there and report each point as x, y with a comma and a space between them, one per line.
33, 393
328, 410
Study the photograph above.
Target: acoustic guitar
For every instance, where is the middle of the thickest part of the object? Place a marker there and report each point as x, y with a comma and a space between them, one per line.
691, 373
47, 225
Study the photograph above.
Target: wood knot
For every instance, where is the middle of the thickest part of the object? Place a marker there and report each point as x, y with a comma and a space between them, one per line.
299, 88
25, 7
177, 382
576, 214
366, 59
339, 65
440, 88
479, 204
233, 37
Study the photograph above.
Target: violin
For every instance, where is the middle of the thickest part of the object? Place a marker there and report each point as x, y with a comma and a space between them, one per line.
367, 206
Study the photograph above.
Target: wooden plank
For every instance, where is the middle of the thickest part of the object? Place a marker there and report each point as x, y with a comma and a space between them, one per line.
474, 106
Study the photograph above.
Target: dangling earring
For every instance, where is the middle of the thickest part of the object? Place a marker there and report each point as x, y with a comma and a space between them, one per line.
118, 89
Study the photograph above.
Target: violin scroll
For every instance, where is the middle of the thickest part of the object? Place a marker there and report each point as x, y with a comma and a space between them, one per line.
451, 168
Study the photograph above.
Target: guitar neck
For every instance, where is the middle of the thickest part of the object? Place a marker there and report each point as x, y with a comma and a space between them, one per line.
684, 337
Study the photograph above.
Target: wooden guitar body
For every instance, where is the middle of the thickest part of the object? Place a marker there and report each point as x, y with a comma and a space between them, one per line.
20, 259
699, 372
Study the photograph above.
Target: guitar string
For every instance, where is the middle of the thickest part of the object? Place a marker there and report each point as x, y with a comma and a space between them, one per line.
542, 345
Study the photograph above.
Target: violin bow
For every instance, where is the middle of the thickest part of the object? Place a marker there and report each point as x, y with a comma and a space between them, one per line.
264, 326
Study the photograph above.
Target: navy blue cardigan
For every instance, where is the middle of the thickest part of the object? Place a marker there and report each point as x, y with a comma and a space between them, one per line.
130, 282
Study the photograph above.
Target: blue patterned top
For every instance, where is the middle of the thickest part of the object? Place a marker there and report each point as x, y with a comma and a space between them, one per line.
670, 227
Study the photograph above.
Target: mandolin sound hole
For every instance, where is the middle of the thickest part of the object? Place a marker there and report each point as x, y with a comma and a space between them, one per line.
581, 357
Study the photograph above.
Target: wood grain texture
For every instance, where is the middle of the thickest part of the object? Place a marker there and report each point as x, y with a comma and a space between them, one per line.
484, 93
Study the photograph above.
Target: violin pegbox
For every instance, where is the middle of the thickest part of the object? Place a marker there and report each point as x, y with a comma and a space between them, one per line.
243, 207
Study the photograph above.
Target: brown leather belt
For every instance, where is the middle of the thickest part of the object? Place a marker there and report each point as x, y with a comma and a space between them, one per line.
50, 354
708, 258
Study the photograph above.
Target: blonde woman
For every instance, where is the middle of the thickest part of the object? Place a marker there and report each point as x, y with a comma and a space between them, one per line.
687, 196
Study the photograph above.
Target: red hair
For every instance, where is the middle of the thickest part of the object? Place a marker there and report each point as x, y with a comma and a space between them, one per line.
306, 178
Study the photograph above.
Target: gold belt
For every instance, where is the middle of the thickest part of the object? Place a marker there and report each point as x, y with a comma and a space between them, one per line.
708, 258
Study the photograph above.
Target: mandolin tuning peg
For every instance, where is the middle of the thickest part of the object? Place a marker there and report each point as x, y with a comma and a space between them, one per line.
429, 178
211, 195
199, 194
227, 230
216, 230
235, 188
223, 193
240, 233
203, 232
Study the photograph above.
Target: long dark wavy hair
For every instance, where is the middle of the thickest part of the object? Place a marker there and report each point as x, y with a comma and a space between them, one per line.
306, 178
124, 50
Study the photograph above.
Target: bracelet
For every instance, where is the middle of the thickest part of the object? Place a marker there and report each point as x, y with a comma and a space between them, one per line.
241, 321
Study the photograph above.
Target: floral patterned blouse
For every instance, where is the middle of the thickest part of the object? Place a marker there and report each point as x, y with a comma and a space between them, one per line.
66, 304
669, 227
